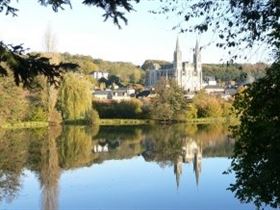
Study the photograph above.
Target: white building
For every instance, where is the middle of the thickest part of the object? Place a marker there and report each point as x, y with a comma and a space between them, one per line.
211, 81
99, 74
187, 75
117, 95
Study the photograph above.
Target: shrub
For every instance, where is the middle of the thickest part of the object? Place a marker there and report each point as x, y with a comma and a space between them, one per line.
123, 109
191, 112
38, 114
92, 117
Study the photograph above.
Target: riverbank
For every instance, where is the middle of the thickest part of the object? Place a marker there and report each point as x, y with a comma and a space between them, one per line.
121, 122
19, 125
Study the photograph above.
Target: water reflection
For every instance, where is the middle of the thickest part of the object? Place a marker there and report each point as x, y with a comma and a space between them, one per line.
191, 153
50, 152
50, 171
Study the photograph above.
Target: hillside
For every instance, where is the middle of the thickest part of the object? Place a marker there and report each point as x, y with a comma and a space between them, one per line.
221, 72
127, 72
130, 73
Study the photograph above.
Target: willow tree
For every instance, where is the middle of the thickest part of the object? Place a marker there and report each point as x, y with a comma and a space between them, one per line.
75, 97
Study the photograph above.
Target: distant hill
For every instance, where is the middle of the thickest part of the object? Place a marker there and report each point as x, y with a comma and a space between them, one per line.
237, 72
222, 72
127, 72
130, 73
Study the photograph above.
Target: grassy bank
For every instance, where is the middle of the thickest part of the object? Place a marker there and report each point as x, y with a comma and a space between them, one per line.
232, 121
120, 122
24, 125
126, 122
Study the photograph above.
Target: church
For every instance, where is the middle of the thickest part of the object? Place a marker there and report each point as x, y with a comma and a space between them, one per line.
188, 76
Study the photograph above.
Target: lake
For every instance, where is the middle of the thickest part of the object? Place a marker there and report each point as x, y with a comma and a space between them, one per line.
146, 167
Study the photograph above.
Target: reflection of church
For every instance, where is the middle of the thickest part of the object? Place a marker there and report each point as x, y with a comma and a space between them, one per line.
191, 152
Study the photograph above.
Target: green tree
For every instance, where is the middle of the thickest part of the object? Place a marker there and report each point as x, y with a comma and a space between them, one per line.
191, 111
207, 105
257, 151
169, 101
42, 101
75, 97
92, 117
237, 24
13, 101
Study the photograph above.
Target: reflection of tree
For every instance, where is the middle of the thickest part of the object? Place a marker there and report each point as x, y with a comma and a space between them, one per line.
178, 144
214, 140
46, 151
163, 144
75, 146
49, 170
13, 155
117, 143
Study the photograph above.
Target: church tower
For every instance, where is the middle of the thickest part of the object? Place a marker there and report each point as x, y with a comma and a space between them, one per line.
197, 62
177, 63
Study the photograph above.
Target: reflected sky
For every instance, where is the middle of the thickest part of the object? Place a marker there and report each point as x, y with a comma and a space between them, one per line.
171, 167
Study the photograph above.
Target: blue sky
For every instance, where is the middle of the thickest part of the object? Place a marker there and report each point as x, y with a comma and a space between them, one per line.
81, 30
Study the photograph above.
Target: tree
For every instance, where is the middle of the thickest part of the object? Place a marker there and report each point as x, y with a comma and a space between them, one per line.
13, 101
244, 23
257, 151
169, 102
75, 97
43, 100
26, 66
207, 105
235, 22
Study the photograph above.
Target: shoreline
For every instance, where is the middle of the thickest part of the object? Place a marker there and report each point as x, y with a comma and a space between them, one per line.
124, 122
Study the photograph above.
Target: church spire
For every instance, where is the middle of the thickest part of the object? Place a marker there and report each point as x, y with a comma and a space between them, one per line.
197, 47
177, 53
177, 45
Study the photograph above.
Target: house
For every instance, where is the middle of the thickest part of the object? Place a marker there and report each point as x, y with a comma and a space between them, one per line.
117, 95
214, 89
120, 95
102, 94
99, 74
211, 81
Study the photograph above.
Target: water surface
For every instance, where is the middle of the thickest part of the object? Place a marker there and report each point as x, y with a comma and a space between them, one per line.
157, 167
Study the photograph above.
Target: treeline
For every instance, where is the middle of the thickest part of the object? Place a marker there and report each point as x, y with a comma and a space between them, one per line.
222, 72
235, 72
70, 102
127, 72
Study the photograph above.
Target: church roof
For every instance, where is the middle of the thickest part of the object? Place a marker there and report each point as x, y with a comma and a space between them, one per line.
167, 66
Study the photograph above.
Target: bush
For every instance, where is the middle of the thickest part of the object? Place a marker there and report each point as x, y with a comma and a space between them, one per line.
191, 112
210, 106
38, 114
124, 109
92, 117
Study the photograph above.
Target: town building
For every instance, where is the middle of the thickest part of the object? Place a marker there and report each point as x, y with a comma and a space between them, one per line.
188, 76
99, 74
114, 94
